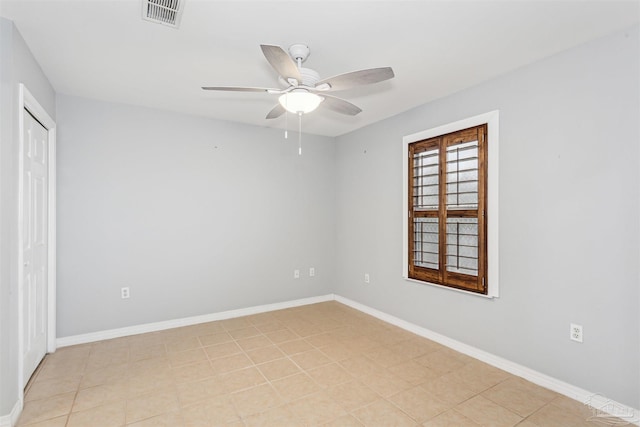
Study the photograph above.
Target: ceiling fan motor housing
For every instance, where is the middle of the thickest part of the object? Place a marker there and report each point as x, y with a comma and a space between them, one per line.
309, 78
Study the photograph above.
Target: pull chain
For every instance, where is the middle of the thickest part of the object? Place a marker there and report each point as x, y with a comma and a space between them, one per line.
286, 119
300, 133
286, 125
299, 61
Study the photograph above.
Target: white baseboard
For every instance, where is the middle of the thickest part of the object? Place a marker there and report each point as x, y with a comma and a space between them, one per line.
187, 321
11, 419
600, 404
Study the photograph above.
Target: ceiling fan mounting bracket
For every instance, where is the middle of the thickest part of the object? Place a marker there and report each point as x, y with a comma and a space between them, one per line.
299, 51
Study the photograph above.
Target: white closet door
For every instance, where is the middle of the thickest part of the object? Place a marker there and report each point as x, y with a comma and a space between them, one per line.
35, 225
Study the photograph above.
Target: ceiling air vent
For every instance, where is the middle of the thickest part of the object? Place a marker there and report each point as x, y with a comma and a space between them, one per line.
165, 12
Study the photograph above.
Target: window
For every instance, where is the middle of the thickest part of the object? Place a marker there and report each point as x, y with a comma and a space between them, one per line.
447, 177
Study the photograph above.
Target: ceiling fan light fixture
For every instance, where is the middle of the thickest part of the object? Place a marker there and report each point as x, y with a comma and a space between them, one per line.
300, 101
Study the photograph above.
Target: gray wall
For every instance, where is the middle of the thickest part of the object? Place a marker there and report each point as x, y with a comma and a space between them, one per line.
196, 216
17, 65
569, 218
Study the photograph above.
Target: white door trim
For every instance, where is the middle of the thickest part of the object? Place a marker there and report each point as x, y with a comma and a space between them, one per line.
27, 101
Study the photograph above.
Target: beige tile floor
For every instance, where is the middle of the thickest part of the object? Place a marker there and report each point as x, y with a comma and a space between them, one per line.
321, 364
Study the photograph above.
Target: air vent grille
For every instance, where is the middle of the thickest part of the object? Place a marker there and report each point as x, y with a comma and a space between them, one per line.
165, 12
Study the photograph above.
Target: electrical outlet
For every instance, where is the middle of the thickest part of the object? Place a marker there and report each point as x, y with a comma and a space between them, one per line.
575, 332
124, 293
296, 274
312, 271
366, 278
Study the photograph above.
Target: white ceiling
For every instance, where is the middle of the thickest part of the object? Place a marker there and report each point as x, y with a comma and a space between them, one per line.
104, 50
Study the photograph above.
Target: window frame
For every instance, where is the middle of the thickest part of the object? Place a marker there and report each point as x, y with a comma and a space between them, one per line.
491, 119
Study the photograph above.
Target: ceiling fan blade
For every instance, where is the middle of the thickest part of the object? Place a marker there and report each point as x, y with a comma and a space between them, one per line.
276, 111
240, 89
356, 78
281, 62
339, 105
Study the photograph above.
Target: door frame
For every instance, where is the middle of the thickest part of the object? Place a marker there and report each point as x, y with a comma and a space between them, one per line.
26, 101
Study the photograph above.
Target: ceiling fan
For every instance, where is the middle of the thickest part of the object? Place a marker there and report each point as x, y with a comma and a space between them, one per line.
303, 90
